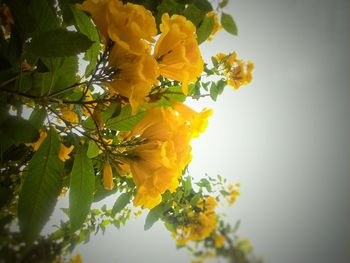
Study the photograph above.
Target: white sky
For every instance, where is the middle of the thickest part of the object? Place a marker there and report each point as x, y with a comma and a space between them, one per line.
285, 137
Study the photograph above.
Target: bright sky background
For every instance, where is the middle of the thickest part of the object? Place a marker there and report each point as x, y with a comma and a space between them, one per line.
285, 138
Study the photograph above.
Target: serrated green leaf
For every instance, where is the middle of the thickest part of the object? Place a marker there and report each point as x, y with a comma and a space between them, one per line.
58, 43
41, 187
85, 26
228, 23
16, 130
82, 186
205, 28
124, 121
92, 150
122, 201
153, 216
37, 117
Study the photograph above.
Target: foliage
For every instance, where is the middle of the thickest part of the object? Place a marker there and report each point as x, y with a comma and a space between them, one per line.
92, 104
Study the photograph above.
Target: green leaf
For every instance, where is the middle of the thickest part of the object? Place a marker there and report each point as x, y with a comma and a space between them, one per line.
41, 187
203, 5
205, 183
205, 28
124, 121
37, 117
194, 14
101, 192
82, 186
17, 130
228, 23
188, 186
85, 26
122, 201
153, 216
217, 88
33, 16
59, 43
223, 3
93, 150
169, 6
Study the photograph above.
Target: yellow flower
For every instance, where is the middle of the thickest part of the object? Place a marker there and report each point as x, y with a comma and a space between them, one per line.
217, 25
239, 73
135, 75
131, 26
36, 145
64, 152
76, 259
198, 121
69, 115
234, 193
99, 12
177, 50
219, 241
108, 183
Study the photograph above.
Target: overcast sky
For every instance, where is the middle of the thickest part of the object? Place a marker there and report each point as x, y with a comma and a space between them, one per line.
285, 138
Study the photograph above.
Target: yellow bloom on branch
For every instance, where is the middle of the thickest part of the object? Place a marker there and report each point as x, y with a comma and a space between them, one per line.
76, 259
108, 183
234, 193
177, 51
68, 115
131, 26
219, 241
135, 75
157, 164
64, 152
217, 25
36, 145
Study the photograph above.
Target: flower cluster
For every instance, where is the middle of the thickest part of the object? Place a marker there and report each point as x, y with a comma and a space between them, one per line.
132, 30
157, 164
237, 72
201, 225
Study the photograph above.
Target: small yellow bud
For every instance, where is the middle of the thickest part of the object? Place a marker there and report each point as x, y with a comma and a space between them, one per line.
108, 183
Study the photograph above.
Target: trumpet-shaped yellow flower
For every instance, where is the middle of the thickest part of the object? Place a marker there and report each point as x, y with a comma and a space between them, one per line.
108, 183
157, 164
131, 26
197, 121
128, 25
99, 13
64, 152
36, 145
135, 75
217, 25
177, 50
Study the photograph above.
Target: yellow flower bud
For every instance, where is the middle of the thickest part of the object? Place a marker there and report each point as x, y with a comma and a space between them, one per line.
108, 183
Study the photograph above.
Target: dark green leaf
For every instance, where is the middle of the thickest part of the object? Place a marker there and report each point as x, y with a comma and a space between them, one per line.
82, 186
59, 43
86, 27
205, 28
33, 16
188, 186
37, 117
101, 192
18, 130
228, 23
125, 121
169, 6
203, 5
153, 216
41, 187
122, 201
